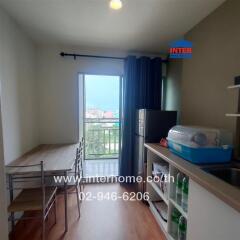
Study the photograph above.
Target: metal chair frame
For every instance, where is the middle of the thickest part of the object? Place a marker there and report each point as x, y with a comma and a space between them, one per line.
78, 179
17, 177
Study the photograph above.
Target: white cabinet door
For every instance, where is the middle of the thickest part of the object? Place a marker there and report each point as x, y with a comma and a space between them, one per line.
209, 218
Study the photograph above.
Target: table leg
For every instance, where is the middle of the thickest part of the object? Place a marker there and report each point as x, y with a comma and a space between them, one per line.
11, 199
65, 202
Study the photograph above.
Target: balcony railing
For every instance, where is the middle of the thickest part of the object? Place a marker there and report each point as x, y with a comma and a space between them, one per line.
102, 138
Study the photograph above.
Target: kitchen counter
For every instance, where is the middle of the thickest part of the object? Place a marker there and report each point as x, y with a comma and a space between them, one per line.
224, 191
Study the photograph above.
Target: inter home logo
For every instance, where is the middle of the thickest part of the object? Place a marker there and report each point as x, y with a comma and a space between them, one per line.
180, 49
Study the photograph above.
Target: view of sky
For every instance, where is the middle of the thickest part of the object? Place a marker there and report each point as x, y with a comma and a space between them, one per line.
102, 92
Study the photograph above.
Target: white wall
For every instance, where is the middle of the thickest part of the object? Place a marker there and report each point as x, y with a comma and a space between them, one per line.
18, 119
17, 76
58, 90
3, 205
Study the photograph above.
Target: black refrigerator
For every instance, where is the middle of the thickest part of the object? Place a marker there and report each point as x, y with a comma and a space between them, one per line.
151, 127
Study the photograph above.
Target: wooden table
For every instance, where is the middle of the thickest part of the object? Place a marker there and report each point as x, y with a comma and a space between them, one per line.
58, 160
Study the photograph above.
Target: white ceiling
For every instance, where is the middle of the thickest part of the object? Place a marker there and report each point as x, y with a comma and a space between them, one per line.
141, 25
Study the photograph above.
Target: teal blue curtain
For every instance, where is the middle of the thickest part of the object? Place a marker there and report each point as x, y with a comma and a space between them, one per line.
142, 88
128, 122
149, 83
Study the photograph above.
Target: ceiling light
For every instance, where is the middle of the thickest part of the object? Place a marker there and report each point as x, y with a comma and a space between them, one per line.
115, 4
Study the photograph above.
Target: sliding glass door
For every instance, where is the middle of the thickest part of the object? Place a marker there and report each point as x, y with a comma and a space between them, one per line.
101, 120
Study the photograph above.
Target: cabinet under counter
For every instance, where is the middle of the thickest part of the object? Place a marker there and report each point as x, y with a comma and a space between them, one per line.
213, 205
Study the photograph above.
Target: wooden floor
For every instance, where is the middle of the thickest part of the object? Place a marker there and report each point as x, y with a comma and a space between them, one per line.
100, 220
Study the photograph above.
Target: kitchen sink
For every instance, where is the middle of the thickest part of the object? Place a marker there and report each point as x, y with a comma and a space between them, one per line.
230, 175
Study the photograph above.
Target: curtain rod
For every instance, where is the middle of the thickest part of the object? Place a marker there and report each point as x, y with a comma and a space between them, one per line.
74, 55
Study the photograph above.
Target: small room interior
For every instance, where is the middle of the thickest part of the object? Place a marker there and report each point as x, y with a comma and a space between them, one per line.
119, 119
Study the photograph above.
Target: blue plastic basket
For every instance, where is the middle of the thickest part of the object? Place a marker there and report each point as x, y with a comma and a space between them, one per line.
201, 155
